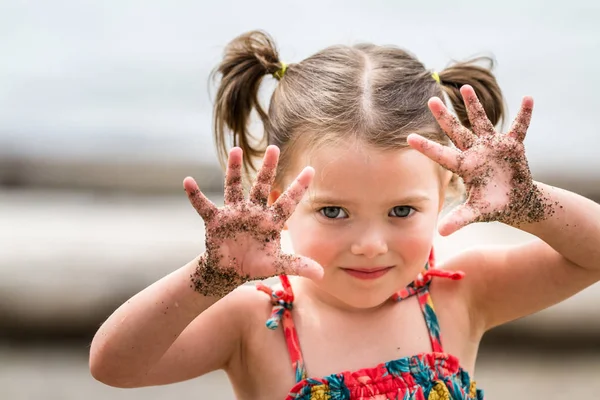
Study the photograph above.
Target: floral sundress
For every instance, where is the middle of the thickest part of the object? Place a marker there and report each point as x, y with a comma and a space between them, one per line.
427, 376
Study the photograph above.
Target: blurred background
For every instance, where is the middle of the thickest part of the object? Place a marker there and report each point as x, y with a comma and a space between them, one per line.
105, 106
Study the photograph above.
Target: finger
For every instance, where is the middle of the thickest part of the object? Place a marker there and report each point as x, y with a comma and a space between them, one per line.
234, 192
298, 265
204, 206
480, 123
457, 219
519, 127
285, 205
447, 157
462, 137
264, 180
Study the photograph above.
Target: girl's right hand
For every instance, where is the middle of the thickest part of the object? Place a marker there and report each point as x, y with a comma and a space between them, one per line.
243, 238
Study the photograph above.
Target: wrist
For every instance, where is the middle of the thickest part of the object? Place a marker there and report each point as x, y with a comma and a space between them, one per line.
529, 206
210, 279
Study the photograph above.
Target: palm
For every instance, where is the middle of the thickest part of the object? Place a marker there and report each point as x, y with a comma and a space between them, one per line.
492, 165
488, 172
243, 238
248, 237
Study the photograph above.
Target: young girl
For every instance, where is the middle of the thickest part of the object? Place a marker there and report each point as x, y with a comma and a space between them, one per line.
361, 129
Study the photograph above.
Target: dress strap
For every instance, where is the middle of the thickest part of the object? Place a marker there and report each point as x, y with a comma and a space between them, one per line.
283, 302
431, 319
420, 288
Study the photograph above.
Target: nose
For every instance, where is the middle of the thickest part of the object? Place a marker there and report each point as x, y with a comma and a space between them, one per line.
370, 244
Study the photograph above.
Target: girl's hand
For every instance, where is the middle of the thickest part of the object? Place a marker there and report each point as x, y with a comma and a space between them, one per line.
243, 237
493, 166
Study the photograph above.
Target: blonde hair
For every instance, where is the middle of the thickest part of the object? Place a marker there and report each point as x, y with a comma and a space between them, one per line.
376, 94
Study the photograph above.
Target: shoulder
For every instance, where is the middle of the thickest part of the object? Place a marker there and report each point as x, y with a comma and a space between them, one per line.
490, 270
247, 301
453, 298
472, 262
252, 307
257, 366
243, 310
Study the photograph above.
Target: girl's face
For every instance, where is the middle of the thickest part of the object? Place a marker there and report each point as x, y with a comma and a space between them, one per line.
368, 218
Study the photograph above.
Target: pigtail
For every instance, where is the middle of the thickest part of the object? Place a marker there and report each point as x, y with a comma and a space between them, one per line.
483, 82
246, 60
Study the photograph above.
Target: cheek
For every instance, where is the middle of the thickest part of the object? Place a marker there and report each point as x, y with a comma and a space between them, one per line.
415, 243
311, 239
415, 248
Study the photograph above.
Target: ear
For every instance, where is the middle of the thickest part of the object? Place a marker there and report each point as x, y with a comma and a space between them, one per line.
273, 196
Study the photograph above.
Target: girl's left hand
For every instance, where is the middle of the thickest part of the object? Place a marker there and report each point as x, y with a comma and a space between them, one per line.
492, 165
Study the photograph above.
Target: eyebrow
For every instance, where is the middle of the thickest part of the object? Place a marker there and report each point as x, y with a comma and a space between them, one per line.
333, 200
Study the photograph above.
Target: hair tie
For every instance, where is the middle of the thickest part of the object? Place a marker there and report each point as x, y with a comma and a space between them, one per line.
436, 77
280, 72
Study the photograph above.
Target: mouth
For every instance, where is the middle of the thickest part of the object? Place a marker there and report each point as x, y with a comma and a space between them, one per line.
367, 273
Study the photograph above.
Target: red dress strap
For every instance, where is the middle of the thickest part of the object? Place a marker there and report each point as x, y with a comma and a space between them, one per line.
420, 288
283, 302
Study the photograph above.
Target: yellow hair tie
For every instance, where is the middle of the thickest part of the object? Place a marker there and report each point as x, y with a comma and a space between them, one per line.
436, 77
281, 71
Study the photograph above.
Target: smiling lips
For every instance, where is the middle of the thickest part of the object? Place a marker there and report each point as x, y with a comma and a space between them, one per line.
367, 273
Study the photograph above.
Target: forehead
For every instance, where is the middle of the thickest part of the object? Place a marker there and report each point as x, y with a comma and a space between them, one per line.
356, 169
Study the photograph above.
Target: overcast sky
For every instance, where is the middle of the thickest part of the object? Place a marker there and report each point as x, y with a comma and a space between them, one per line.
129, 77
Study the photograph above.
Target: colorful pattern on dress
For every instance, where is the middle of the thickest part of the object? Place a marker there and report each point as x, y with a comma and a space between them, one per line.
433, 376
427, 376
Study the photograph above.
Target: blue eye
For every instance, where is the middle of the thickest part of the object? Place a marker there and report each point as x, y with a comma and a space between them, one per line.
333, 212
401, 211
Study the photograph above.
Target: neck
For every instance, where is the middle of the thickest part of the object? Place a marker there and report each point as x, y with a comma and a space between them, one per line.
324, 300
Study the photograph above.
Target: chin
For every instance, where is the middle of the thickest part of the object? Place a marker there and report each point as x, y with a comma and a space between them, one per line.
361, 294
343, 295
364, 297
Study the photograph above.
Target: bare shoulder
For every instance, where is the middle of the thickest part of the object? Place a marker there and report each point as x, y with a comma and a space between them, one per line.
242, 309
448, 292
489, 272
453, 298
251, 367
507, 282
247, 302
472, 262
252, 308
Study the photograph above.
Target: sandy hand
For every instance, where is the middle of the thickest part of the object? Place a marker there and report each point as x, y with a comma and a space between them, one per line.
493, 166
243, 237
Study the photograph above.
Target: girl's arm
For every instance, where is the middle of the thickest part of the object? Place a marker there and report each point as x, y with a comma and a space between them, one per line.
176, 329
507, 283
504, 284
167, 333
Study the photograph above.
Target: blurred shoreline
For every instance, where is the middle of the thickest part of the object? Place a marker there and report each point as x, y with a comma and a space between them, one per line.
72, 257
61, 373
